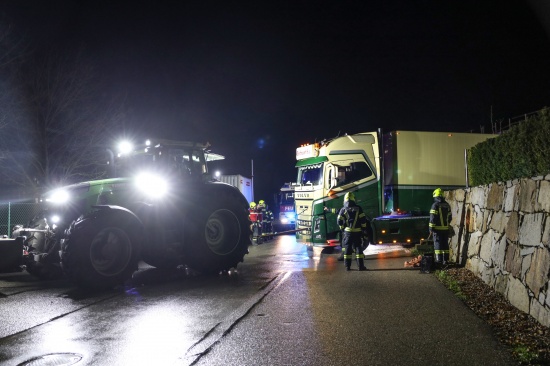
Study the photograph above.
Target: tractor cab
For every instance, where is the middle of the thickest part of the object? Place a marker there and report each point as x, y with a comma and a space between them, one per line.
179, 160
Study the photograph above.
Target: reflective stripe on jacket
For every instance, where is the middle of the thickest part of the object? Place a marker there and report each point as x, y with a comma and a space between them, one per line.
440, 215
351, 218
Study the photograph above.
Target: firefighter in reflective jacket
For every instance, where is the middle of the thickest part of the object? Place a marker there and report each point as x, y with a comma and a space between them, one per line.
353, 225
440, 217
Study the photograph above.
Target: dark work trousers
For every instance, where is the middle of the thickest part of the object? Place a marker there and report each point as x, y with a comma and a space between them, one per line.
441, 246
352, 243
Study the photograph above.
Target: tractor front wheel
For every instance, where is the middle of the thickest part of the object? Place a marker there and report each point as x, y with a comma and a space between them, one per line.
102, 251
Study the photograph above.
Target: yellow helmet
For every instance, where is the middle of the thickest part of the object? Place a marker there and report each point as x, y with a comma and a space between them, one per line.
349, 197
252, 204
262, 202
438, 193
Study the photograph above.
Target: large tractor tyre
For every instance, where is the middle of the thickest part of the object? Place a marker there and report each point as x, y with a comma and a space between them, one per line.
217, 234
102, 251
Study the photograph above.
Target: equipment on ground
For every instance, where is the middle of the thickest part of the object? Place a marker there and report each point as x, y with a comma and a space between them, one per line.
164, 209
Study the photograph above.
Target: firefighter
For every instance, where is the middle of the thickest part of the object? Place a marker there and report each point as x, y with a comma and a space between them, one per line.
440, 217
263, 209
353, 225
254, 218
269, 220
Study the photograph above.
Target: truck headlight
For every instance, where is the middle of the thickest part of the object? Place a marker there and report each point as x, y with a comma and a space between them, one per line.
152, 185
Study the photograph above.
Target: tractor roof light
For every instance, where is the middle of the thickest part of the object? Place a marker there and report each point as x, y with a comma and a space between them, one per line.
125, 147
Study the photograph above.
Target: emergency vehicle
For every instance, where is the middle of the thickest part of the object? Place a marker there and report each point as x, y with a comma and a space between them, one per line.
285, 203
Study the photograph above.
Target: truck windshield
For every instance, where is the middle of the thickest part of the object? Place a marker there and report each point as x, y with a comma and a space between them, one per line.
310, 174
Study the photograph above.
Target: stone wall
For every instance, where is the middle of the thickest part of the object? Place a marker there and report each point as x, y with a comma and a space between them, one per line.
502, 234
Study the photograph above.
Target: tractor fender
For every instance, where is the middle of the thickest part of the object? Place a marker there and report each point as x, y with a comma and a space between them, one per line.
100, 210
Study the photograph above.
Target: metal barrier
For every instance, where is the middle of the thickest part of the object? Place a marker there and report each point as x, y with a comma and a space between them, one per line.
12, 214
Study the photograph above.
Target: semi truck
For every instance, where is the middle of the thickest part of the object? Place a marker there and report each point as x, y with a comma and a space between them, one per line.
392, 175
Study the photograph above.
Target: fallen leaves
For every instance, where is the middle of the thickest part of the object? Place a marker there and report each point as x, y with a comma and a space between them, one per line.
513, 327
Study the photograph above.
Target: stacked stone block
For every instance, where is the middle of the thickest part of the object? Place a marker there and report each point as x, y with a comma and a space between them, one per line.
502, 234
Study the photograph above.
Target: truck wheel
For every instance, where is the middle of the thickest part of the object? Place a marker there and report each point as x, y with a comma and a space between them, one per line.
102, 251
217, 234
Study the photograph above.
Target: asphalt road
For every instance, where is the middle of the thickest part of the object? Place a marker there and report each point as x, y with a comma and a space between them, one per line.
283, 306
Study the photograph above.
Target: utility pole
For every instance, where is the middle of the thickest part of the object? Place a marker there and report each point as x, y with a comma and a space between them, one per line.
252, 178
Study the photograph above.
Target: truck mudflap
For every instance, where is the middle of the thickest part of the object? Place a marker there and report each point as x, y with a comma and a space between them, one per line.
11, 255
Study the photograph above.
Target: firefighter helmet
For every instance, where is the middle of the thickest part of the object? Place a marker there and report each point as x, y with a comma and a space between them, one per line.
261, 203
438, 192
349, 197
253, 205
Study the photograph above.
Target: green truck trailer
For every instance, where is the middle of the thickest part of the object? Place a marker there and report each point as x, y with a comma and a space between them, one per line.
391, 174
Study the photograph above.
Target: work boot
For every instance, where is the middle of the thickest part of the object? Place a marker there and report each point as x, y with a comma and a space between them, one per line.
361, 264
347, 262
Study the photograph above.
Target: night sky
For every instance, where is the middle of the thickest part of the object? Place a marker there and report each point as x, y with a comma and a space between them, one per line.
257, 78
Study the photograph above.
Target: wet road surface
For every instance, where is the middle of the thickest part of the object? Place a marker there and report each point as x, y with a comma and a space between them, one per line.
283, 306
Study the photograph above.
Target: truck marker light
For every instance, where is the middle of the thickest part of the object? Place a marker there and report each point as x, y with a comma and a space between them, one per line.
383, 231
394, 241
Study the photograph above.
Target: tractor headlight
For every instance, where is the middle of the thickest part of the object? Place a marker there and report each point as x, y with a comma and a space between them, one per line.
59, 197
152, 185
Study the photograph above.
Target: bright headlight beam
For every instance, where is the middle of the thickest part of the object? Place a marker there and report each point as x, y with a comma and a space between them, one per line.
152, 185
59, 197
125, 147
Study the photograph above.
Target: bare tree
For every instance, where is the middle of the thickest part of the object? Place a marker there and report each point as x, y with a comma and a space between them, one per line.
57, 123
10, 52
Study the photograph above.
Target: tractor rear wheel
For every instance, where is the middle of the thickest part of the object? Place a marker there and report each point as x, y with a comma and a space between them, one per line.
217, 235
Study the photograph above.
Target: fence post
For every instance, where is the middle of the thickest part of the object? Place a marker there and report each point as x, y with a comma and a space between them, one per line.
9, 219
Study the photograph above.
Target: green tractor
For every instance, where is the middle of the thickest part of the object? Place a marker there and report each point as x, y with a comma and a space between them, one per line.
164, 209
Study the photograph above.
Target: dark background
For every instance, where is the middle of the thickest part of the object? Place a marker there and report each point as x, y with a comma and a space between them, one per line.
257, 79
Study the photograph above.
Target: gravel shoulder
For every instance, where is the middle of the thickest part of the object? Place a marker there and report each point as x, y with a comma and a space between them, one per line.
528, 340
